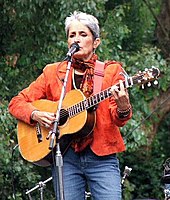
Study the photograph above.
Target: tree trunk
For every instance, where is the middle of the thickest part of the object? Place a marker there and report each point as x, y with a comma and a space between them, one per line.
163, 29
161, 106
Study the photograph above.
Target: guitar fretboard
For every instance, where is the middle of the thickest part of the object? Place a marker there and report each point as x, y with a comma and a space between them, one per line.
141, 78
89, 102
96, 99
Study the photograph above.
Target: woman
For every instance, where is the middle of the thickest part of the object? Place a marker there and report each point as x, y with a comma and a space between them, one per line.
90, 160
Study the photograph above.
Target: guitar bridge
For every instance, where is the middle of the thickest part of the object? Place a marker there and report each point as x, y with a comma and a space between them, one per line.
38, 132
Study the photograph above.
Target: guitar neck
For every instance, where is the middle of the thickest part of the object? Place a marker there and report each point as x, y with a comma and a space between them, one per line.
140, 78
97, 98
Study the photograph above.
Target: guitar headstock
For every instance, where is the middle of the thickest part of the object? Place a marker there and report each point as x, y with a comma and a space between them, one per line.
147, 76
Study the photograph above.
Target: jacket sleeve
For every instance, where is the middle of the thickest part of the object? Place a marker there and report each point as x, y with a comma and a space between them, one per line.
20, 106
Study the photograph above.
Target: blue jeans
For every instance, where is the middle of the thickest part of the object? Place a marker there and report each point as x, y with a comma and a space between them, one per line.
100, 173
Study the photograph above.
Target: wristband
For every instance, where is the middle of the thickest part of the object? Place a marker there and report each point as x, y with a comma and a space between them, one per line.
123, 113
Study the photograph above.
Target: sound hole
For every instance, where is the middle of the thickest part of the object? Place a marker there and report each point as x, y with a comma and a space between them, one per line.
63, 117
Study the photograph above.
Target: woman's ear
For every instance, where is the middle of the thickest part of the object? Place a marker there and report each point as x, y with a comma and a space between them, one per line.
96, 43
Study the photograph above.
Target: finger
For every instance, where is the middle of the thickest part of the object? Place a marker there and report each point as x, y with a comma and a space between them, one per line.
47, 117
50, 116
122, 88
114, 89
115, 95
47, 125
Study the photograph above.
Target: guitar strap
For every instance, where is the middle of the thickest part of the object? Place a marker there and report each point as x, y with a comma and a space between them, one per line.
98, 76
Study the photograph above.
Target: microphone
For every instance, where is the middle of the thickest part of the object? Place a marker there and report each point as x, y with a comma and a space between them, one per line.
73, 49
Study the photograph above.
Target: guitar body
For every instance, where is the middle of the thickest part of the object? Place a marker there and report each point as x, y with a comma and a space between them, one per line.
80, 125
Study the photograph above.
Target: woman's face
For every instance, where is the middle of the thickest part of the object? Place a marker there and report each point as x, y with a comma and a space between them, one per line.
82, 35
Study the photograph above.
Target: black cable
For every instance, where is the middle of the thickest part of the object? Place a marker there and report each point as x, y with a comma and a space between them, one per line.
142, 121
12, 171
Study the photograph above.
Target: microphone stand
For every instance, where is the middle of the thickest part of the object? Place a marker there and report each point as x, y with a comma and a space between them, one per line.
126, 173
55, 134
41, 185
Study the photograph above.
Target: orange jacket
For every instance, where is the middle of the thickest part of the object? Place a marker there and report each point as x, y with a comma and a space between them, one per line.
107, 137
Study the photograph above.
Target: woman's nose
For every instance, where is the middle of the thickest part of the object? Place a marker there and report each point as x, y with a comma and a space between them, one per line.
77, 38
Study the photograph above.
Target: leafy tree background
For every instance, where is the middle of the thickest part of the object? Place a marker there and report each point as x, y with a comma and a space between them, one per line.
135, 32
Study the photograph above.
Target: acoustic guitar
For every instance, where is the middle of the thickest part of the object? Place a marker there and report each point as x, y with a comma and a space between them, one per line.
77, 119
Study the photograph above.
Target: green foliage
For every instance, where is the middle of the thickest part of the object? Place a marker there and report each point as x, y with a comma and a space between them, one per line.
147, 166
136, 135
113, 33
32, 35
141, 22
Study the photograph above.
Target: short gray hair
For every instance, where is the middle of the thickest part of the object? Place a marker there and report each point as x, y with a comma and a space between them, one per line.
86, 19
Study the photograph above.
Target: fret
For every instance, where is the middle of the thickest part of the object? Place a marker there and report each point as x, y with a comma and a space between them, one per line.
107, 93
126, 82
78, 108
82, 106
94, 99
90, 103
70, 111
74, 109
102, 97
85, 103
104, 94
98, 97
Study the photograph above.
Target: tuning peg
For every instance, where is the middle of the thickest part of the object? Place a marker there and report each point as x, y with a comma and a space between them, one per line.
143, 87
155, 82
149, 84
